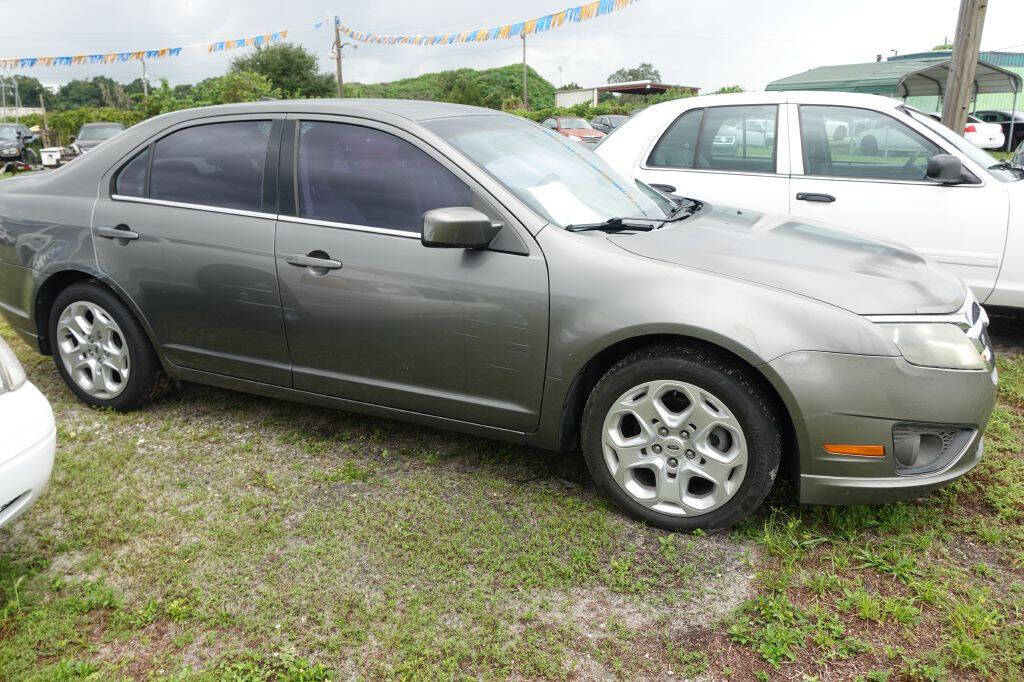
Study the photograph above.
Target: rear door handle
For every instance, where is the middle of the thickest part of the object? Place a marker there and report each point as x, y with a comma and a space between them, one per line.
119, 232
668, 189
811, 196
310, 261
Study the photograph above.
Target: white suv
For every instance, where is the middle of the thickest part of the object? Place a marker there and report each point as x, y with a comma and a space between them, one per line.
856, 161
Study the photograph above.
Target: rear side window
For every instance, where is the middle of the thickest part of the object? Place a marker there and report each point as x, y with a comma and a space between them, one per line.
678, 146
131, 179
720, 138
738, 139
363, 176
217, 164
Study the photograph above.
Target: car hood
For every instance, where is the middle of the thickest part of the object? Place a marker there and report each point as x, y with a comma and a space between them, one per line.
87, 144
861, 274
581, 132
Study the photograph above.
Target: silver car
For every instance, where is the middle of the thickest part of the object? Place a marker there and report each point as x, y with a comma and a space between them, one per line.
467, 269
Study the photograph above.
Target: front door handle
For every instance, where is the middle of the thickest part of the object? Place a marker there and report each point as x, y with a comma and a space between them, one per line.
314, 259
667, 189
120, 232
811, 196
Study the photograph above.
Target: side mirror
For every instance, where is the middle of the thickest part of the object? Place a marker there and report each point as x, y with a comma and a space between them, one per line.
71, 140
945, 169
458, 227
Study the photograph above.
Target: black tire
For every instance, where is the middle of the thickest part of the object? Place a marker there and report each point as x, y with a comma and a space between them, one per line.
147, 380
744, 393
869, 145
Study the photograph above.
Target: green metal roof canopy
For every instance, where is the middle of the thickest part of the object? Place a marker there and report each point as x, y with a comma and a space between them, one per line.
902, 78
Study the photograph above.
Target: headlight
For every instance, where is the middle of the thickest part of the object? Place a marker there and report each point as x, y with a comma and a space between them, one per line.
10, 151
12, 376
934, 344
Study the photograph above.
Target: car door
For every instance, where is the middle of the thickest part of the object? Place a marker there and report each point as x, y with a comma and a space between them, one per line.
872, 180
379, 318
185, 228
714, 154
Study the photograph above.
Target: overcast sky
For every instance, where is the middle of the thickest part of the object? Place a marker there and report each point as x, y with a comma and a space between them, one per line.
749, 42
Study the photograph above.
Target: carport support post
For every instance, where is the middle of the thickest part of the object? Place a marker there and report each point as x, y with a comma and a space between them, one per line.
1013, 120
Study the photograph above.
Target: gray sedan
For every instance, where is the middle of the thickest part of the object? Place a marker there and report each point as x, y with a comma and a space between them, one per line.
466, 269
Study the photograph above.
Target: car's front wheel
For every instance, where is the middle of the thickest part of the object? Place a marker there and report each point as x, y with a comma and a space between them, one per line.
682, 437
101, 350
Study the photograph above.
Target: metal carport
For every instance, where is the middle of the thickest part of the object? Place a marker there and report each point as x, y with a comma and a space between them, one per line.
900, 78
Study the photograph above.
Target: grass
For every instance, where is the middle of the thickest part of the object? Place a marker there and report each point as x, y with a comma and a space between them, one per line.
217, 536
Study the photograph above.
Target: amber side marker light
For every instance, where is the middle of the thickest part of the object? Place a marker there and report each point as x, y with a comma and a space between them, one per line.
857, 450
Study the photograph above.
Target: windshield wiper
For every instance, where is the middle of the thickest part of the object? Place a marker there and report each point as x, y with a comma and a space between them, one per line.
612, 225
685, 209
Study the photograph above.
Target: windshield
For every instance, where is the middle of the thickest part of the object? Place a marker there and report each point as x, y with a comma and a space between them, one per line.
573, 123
975, 154
616, 121
8, 133
561, 180
99, 132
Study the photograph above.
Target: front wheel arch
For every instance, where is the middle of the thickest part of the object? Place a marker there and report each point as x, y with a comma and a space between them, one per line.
571, 418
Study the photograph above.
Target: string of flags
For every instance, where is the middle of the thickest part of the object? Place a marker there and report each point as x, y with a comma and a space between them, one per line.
138, 55
572, 15
555, 20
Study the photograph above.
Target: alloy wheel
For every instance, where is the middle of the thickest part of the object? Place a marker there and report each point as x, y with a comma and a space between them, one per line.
674, 448
93, 350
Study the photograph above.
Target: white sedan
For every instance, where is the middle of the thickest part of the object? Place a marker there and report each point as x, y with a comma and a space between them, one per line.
979, 133
28, 439
860, 162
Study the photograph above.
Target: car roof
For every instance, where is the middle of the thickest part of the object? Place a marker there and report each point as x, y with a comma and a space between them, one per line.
95, 124
849, 99
412, 110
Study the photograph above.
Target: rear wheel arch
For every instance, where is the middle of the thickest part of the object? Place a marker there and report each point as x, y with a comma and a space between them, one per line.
57, 282
570, 423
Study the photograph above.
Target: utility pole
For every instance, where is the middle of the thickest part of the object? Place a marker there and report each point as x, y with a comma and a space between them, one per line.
145, 81
337, 56
964, 63
560, 80
526, 95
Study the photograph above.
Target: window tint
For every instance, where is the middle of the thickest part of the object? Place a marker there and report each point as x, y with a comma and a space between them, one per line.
131, 179
363, 176
860, 143
218, 164
677, 146
738, 139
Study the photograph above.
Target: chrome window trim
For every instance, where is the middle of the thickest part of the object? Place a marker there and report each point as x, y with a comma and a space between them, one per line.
194, 207
349, 226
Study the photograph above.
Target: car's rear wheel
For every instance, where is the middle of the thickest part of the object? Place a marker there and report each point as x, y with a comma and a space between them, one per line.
682, 437
101, 351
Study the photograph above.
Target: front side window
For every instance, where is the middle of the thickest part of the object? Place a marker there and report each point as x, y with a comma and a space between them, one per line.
559, 179
364, 176
131, 179
216, 164
860, 143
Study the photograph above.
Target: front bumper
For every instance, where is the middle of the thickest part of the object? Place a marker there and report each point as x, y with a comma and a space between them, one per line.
857, 399
28, 439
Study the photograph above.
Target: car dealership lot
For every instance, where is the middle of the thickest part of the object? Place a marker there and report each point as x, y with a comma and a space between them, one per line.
221, 533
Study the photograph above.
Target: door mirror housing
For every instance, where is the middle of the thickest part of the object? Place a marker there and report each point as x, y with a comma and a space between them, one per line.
945, 169
458, 227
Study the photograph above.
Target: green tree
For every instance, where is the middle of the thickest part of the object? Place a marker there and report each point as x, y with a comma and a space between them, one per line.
79, 93
944, 46
290, 69
234, 86
728, 89
643, 72
570, 86
29, 90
